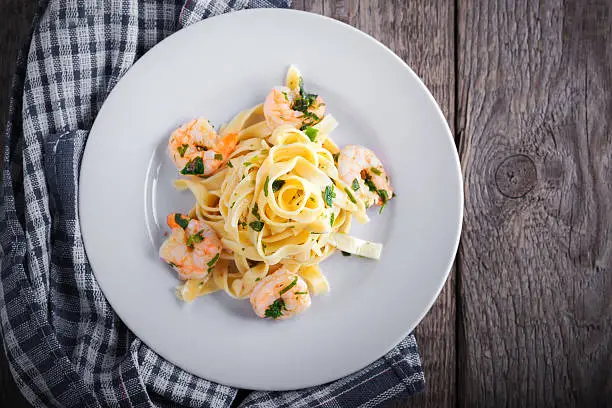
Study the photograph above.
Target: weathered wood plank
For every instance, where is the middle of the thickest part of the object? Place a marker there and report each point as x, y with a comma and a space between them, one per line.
422, 33
534, 111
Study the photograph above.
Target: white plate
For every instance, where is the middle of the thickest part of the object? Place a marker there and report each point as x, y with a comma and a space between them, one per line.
215, 69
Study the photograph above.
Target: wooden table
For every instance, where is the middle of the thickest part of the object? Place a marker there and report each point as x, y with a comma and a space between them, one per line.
525, 318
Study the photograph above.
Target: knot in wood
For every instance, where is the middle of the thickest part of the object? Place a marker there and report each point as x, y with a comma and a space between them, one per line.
516, 176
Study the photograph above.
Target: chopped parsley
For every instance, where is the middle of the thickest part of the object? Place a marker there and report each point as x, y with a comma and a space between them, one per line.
332, 219
277, 184
257, 280
183, 222
368, 182
276, 309
242, 224
256, 225
375, 171
302, 103
328, 195
247, 163
255, 211
266, 185
218, 156
344, 253
350, 195
311, 133
289, 286
304, 100
212, 262
312, 119
384, 196
286, 97
355, 185
182, 149
194, 167
230, 165
195, 239
301, 293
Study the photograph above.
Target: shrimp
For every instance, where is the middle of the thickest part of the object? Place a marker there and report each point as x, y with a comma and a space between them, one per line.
364, 173
283, 106
280, 295
196, 149
192, 249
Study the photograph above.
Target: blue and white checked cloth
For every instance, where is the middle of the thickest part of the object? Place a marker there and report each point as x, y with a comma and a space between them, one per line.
65, 345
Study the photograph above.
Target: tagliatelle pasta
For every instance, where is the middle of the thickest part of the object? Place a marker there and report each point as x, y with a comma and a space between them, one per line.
276, 199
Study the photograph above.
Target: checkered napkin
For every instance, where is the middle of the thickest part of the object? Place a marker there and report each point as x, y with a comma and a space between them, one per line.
65, 345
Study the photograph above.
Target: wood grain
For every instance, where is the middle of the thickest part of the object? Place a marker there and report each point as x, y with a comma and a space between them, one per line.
422, 34
534, 115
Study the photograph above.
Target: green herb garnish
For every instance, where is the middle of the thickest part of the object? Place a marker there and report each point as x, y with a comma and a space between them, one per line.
329, 195
218, 156
350, 195
368, 182
194, 167
301, 293
183, 222
255, 211
276, 309
213, 261
257, 280
277, 184
256, 225
230, 165
289, 286
195, 239
384, 196
312, 119
305, 99
302, 103
266, 185
311, 133
247, 163
375, 171
182, 149
332, 219
355, 185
